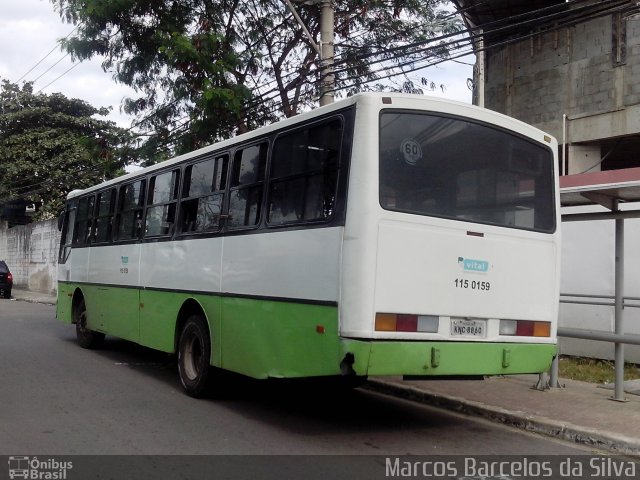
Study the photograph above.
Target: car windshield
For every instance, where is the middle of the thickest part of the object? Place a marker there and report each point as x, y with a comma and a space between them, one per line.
451, 167
3, 267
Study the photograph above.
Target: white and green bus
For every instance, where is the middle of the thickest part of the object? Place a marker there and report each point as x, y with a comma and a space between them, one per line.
386, 234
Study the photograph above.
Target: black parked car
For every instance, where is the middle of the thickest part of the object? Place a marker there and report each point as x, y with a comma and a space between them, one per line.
6, 280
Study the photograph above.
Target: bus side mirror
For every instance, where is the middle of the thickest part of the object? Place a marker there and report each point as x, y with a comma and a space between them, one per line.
60, 221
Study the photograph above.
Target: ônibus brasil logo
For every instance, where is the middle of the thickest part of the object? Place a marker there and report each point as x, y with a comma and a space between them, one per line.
37, 469
473, 265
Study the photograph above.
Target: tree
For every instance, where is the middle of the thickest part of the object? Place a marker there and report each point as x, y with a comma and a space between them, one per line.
50, 145
205, 69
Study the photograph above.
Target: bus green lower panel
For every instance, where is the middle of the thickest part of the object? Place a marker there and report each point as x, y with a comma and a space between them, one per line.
262, 338
447, 358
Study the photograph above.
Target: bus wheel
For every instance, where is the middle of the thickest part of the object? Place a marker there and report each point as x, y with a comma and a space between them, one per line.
194, 355
86, 338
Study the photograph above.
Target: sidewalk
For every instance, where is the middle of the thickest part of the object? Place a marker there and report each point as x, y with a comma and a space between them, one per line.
579, 412
33, 297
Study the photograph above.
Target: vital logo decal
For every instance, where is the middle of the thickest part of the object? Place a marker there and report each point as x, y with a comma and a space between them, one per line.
472, 265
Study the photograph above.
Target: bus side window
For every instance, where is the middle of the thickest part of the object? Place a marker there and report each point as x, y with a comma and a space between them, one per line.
247, 183
161, 204
104, 215
203, 195
130, 204
304, 174
83, 221
68, 227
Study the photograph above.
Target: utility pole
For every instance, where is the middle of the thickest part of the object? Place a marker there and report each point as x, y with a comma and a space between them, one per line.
325, 49
327, 79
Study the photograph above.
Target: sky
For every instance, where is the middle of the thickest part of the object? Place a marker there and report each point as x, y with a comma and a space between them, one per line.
30, 29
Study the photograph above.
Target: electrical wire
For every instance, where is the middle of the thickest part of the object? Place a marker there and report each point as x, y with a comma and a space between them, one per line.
179, 132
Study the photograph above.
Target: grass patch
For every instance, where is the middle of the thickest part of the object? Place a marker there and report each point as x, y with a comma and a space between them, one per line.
594, 370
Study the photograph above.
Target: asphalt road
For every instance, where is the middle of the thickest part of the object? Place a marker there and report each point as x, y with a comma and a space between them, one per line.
59, 399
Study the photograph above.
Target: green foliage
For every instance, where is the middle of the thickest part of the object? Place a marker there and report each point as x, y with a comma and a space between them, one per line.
206, 69
50, 145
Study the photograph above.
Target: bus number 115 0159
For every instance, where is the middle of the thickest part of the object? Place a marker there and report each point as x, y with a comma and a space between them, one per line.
472, 284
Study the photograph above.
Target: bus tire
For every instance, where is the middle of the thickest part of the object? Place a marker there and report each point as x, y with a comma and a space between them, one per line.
194, 355
86, 338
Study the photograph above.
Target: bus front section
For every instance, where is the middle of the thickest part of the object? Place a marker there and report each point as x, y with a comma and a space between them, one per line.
451, 250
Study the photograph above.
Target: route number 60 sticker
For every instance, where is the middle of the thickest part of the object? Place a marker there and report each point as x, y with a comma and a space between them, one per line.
411, 150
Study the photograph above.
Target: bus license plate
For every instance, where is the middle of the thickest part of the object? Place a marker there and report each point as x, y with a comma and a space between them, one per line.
461, 327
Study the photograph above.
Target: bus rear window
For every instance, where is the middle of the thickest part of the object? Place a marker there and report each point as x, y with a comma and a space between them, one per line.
453, 168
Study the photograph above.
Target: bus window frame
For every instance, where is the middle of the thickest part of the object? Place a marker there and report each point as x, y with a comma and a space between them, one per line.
493, 126
265, 152
339, 172
118, 211
179, 233
91, 200
110, 216
178, 170
66, 236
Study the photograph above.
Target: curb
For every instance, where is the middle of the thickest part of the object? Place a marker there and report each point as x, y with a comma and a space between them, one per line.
34, 300
45, 300
613, 443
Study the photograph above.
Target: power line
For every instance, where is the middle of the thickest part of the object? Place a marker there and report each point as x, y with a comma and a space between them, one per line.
48, 69
60, 76
179, 131
43, 58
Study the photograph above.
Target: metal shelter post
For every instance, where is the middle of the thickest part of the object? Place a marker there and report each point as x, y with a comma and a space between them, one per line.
619, 305
608, 189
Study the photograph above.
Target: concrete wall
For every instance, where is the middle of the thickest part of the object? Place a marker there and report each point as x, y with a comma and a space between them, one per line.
587, 270
589, 72
31, 251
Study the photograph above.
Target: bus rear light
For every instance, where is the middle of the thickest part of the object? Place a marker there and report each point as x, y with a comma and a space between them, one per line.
391, 322
541, 329
428, 323
407, 323
385, 322
525, 328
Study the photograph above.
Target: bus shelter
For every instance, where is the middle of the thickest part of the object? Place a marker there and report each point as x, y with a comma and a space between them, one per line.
616, 190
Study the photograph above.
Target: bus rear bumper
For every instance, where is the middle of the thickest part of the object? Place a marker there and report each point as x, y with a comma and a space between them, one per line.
446, 358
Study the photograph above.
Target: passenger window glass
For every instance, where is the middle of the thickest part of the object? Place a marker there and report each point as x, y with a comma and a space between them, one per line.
68, 228
459, 169
203, 195
161, 212
245, 196
131, 202
304, 174
248, 166
83, 221
163, 188
103, 221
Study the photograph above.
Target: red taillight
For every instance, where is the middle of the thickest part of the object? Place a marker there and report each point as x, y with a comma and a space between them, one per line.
9, 278
525, 328
407, 323
400, 322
